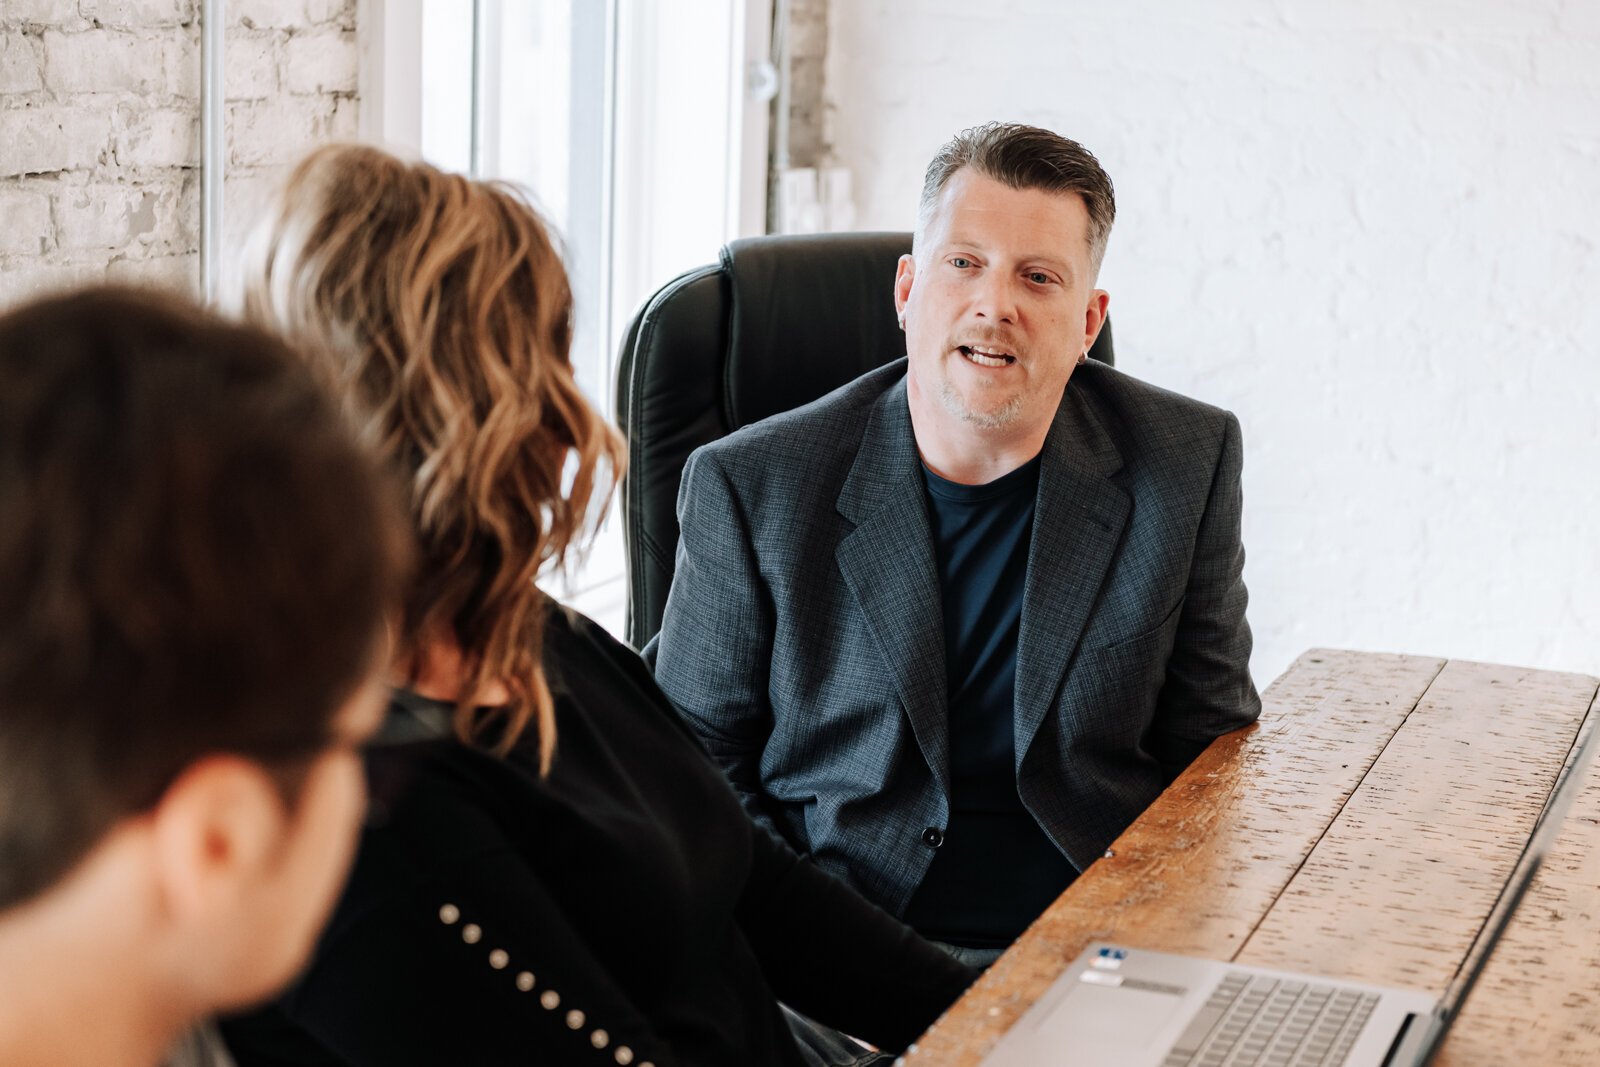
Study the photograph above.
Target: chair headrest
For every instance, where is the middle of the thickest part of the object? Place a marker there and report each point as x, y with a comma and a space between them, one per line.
809, 313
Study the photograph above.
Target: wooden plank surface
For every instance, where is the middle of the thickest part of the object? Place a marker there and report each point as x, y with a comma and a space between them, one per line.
1398, 888
1362, 830
1201, 867
1538, 1000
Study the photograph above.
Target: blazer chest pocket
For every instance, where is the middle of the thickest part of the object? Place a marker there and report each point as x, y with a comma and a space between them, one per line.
1127, 674
1167, 625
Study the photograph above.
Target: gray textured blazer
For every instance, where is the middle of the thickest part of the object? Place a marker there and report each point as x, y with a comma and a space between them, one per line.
803, 633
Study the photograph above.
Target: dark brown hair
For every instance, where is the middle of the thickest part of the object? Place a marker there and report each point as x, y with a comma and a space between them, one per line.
195, 557
440, 308
1026, 157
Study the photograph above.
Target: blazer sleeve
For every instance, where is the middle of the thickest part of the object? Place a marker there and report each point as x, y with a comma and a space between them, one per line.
1208, 691
476, 965
714, 651
831, 954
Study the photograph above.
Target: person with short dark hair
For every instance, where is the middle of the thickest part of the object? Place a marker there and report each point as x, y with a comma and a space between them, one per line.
197, 564
554, 871
951, 627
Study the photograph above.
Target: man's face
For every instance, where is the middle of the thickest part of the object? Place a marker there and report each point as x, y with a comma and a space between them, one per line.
308, 869
998, 305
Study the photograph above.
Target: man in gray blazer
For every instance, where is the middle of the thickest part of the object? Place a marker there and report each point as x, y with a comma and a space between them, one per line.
952, 627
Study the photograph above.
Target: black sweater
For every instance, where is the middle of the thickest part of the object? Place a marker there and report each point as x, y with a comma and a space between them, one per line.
622, 910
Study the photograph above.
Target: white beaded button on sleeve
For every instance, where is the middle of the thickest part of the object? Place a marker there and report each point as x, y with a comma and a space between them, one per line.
500, 959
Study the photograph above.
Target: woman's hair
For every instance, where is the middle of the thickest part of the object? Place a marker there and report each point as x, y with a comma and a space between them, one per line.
440, 309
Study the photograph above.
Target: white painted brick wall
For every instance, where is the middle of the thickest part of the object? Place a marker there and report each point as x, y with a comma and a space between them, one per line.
316, 63
252, 71
808, 49
42, 12
19, 65
144, 63
165, 137
270, 14
137, 14
341, 13
24, 221
1369, 228
45, 138
99, 129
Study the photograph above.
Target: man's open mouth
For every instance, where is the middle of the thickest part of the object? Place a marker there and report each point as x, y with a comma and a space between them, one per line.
987, 357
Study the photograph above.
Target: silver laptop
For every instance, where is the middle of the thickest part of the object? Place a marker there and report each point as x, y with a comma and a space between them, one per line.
1138, 1008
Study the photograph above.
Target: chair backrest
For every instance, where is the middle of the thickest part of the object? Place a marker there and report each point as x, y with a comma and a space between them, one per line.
779, 322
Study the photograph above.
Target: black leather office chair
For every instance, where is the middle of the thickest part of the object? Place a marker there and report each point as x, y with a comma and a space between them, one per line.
779, 322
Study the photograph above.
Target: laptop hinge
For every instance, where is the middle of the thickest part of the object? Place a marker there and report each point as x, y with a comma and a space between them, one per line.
1414, 1045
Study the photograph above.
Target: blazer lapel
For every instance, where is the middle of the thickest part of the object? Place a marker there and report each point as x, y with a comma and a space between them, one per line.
1077, 525
887, 563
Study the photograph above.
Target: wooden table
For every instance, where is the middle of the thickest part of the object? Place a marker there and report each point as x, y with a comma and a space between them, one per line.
1361, 830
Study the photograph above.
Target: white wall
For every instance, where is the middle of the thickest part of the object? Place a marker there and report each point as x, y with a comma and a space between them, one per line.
1370, 228
99, 129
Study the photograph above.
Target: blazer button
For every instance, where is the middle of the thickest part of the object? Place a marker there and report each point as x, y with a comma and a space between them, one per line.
933, 837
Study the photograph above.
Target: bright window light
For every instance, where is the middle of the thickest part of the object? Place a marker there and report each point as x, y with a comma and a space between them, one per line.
629, 123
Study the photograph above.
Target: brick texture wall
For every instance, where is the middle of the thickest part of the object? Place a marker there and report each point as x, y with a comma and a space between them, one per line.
808, 49
99, 128
1369, 228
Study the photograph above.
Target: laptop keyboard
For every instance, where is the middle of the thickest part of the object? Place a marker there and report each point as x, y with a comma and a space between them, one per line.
1256, 1021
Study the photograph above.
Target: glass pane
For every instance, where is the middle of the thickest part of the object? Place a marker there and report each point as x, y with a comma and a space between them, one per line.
535, 93
638, 197
550, 137
447, 84
679, 95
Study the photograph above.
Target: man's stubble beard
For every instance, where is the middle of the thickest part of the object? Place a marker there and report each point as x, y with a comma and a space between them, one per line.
999, 419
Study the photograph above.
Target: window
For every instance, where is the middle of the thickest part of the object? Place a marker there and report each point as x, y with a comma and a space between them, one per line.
630, 122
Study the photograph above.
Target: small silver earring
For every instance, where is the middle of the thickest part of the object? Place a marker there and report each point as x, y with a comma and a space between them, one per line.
902, 322
1083, 357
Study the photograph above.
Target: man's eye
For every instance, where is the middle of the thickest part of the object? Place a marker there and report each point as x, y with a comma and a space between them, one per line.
1039, 278
960, 262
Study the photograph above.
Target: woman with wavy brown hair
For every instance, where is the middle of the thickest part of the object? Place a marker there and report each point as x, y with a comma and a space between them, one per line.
553, 870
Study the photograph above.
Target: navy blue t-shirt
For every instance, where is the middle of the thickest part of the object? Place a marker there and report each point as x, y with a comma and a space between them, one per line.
997, 869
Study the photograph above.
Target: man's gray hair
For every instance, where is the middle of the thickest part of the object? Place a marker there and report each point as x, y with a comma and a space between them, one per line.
1025, 157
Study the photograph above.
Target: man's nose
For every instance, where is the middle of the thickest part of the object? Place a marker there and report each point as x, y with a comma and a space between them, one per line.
997, 298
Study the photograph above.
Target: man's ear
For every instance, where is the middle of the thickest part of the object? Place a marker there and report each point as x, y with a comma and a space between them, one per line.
1094, 316
904, 274
216, 830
